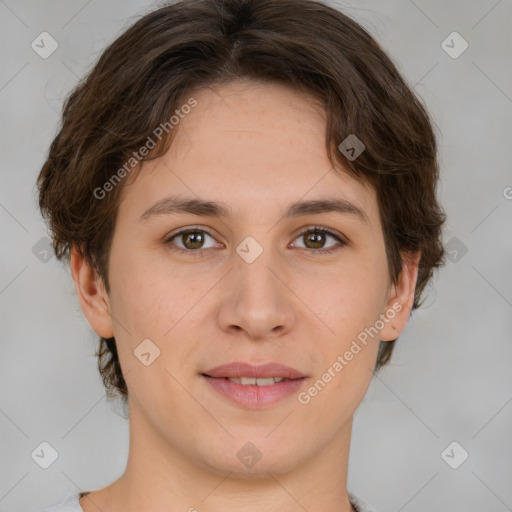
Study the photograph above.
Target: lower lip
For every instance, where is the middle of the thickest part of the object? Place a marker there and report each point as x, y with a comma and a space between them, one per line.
252, 396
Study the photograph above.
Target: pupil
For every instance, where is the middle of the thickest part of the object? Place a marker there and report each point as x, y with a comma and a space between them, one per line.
196, 239
316, 239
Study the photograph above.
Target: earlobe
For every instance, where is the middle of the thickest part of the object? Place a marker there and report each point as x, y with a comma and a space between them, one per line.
401, 298
92, 295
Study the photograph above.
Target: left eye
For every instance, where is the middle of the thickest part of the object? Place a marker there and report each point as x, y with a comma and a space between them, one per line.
316, 237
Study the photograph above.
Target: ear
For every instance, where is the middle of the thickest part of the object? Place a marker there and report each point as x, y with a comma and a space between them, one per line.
401, 298
91, 292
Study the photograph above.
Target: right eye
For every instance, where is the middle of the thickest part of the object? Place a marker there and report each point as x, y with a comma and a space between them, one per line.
192, 239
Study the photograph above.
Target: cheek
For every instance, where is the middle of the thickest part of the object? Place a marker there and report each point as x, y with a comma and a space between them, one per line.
150, 310
151, 343
352, 307
142, 296
352, 298
149, 306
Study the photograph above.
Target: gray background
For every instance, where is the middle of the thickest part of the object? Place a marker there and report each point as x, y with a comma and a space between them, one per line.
450, 377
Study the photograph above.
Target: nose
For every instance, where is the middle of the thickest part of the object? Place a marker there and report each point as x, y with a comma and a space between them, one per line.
258, 302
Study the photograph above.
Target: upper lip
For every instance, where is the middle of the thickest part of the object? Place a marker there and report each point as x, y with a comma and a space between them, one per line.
239, 369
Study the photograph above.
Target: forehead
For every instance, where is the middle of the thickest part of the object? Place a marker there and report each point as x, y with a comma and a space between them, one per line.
248, 143
245, 115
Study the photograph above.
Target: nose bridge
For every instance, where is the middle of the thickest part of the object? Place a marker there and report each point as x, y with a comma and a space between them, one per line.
256, 267
259, 301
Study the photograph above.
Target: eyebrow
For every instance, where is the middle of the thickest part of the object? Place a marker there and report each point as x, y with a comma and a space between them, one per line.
195, 206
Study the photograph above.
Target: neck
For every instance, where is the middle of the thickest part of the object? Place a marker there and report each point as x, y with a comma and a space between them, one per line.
162, 477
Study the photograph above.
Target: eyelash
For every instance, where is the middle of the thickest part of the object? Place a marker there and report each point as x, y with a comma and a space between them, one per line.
199, 252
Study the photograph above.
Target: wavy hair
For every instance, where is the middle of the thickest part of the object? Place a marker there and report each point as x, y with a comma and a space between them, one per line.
140, 79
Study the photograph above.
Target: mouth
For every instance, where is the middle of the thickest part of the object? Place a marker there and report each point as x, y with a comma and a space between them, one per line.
252, 381
254, 387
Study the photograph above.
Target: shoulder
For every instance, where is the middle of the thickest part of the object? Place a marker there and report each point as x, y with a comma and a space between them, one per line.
359, 504
69, 504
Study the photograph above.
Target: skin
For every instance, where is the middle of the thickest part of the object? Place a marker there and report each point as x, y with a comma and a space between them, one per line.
256, 147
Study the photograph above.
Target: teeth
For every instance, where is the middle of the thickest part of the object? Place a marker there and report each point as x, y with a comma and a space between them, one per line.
253, 381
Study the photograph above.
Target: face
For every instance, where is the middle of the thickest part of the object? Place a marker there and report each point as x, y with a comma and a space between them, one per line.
256, 282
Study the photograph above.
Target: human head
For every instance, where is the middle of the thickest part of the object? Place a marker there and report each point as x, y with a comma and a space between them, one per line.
143, 78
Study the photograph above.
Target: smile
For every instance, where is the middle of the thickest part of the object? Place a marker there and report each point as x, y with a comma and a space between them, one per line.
245, 381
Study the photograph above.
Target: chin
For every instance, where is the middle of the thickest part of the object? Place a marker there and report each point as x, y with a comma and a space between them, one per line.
253, 459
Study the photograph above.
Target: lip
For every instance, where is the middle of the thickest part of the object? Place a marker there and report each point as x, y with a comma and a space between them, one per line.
254, 396
241, 369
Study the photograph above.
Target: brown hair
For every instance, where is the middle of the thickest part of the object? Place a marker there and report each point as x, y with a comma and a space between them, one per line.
141, 78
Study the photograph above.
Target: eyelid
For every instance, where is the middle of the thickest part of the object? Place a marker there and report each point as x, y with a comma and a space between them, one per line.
326, 230
187, 229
